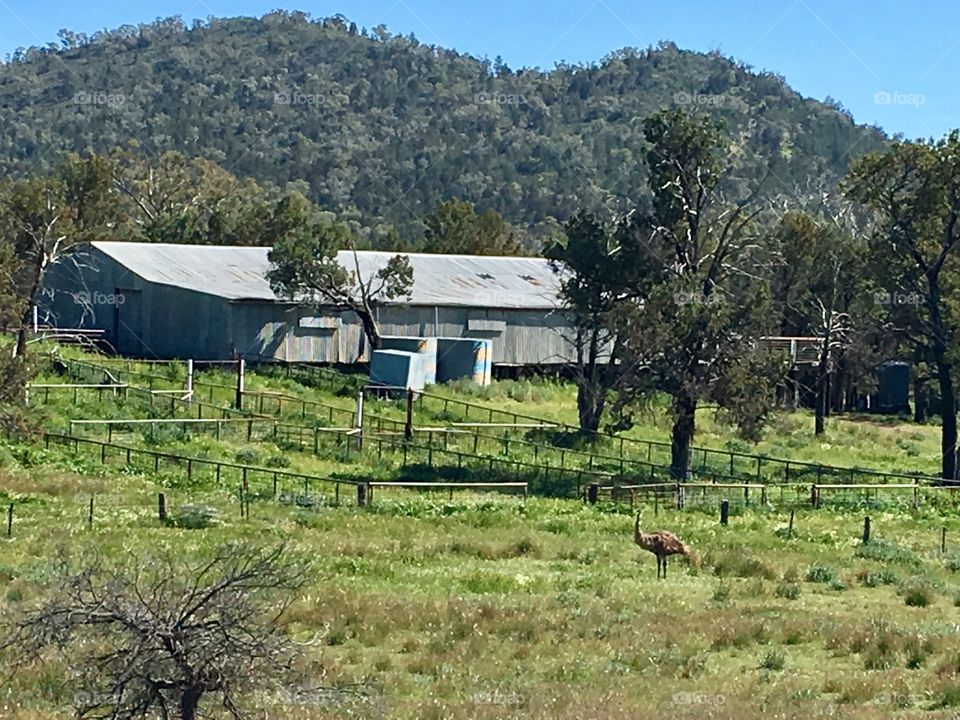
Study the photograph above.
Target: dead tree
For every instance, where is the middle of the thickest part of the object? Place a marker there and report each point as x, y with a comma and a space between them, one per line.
156, 640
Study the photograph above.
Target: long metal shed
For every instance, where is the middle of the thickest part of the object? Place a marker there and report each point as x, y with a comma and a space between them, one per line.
212, 302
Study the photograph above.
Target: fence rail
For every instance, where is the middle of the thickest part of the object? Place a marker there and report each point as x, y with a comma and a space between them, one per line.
707, 462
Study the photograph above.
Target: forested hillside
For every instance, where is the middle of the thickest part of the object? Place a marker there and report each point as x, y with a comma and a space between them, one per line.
380, 127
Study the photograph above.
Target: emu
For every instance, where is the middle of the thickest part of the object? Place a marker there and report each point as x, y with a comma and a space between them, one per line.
661, 543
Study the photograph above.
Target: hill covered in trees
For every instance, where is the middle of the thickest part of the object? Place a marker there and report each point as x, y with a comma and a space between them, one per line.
380, 127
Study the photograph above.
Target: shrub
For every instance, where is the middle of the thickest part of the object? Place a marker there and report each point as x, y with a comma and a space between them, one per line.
788, 590
740, 565
952, 561
888, 551
247, 457
773, 660
195, 517
818, 573
838, 585
277, 461
917, 653
949, 696
721, 593
917, 592
876, 578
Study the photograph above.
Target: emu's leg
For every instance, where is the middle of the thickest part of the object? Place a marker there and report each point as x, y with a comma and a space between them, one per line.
664, 567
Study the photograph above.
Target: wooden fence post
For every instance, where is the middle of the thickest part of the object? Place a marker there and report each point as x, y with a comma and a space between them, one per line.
866, 529
240, 373
90, 515
189, 388
593, 493
245, 496
724, 511
362, 490
162, 507
10, 520
943, 540
408, 425
790, 528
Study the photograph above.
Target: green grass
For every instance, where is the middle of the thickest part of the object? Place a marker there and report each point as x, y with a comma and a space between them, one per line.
488, 606
496, 607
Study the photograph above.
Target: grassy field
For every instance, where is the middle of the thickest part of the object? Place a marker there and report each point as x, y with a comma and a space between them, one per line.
494, 608
490, 606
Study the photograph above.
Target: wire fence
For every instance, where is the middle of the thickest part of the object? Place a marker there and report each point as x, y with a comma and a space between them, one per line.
653, 455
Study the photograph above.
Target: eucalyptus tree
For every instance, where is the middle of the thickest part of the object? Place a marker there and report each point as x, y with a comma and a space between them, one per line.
694, 332
304, 265
913, 191
599, 266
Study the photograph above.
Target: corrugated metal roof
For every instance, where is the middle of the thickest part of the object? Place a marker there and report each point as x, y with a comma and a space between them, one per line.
239, 273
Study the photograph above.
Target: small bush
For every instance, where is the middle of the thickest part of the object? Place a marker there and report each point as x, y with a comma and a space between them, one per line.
247, 457
195, 517
277, 461
948, 697
790, 591
721, 593
838, 585
917, 653
740, 565
881, 655
818, 573
876, 578
952, 561
773, 660
917, 592
888, 551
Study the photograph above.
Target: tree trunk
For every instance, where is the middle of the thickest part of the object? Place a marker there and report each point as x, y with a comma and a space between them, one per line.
821, 393
948, 403
948, 415
370, 327
591, 399
681, 437
27, 317
919, 401
591, 387
189, 701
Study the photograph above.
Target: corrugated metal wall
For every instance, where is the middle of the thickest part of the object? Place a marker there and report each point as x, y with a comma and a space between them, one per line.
183, 323
529, 338
146, 319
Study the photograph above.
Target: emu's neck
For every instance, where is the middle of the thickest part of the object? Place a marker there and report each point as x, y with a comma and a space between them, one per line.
637, 532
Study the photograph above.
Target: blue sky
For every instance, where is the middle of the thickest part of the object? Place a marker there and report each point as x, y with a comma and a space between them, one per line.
890, 62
